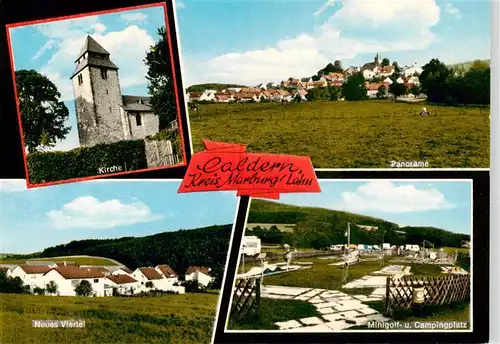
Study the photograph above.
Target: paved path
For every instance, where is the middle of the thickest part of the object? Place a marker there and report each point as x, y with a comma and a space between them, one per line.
338, 310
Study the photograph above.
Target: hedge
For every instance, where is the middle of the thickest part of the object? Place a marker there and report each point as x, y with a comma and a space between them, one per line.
86, 161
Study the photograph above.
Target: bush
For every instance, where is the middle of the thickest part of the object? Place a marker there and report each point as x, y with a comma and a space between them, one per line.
193, 286
86, 161
39, 291
84, 288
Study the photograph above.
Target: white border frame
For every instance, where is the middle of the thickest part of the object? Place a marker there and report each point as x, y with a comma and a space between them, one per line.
471, 312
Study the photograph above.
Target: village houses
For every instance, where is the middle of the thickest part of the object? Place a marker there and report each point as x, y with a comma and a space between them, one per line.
105, 281
375, 74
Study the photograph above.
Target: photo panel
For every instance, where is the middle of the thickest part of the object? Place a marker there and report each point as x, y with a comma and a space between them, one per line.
400, 258
353, 84
108, 255
98, 92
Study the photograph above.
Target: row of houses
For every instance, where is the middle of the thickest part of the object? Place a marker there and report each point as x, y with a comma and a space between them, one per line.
372, 88
67, 276
244, 95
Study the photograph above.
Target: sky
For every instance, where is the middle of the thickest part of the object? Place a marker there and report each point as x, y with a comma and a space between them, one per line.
250, 42
52, 47
442, 204
38, 218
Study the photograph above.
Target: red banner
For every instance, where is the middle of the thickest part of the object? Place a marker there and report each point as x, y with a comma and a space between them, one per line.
226, 166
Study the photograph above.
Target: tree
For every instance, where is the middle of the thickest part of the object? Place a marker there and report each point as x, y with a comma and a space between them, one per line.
396, 67
51, 287
354, 88
382, 91
385, 62
43, 115
315, 78
337, 67
397, 89
84, 288
435, 79
161, 84
39, 291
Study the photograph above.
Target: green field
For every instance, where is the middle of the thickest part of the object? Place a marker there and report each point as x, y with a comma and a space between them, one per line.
186, 318
78, 260
363, 134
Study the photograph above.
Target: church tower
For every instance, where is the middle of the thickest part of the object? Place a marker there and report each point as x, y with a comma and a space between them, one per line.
377, 60
98, 97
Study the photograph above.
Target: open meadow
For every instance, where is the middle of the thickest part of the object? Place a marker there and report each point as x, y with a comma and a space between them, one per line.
363, 134
186, 318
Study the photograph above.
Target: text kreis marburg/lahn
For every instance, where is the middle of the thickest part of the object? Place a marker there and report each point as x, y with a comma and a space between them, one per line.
216, 172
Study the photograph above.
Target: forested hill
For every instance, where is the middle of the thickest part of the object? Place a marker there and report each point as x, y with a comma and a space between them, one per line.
206, 246
320, 228
217, 87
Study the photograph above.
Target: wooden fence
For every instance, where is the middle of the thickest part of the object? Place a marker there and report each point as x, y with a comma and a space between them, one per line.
408, 291
246, 298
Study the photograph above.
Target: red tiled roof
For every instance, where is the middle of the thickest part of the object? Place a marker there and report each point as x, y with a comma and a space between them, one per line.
374, 87
121, 279
195, 94
202, 269
222, 96
35, 269
73, 272
167, 270
245, 95
151, 273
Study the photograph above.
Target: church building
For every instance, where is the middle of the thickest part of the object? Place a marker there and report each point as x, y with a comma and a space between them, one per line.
103, 114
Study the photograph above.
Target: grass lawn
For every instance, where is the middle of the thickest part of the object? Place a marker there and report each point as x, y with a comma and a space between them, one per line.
272, 311
351, 134
78, 260
321, 275
186, 318
426, 270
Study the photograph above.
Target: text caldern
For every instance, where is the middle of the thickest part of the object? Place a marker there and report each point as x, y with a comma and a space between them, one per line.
249, 173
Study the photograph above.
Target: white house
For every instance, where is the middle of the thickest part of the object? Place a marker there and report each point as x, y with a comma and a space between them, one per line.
387, 81
414, 80
68, 278
31, 275
208, 95
368, 74
123, 283
251, 245
200, 274
168, 273
386, 246
414, 70
282, 95
262, 86
149, 274
300, 93
122, 271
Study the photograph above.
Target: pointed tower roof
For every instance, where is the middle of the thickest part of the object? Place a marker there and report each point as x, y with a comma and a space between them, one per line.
91, 45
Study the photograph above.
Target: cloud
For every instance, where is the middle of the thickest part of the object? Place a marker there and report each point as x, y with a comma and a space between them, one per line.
386, 197
127, 47
329, 3
134, 17
355, 28
180, 4
12, 185
451, 9
47, 46
89, 212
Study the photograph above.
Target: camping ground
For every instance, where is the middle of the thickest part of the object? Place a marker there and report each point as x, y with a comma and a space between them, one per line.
363, 134
321, 275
